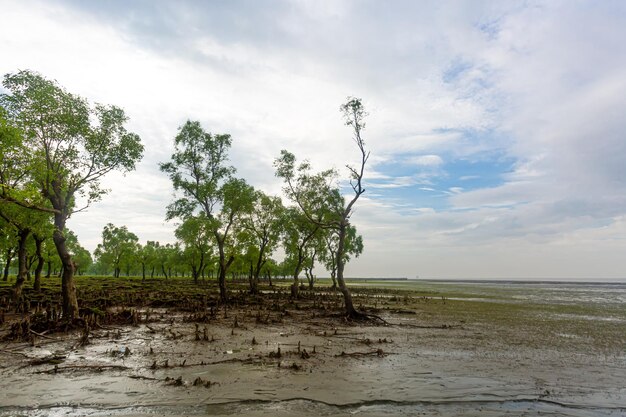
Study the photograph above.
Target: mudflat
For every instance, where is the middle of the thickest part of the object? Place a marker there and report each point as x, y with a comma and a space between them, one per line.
436, 349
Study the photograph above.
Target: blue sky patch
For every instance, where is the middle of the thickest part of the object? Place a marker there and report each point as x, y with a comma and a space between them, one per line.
431, 186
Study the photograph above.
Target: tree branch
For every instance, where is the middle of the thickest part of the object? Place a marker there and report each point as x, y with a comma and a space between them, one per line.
28, 205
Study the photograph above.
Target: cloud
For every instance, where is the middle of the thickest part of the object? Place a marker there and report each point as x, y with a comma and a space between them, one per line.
496, 128
425, 160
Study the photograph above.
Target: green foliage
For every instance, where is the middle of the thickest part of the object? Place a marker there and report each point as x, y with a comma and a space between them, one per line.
12, 154
168, 256
316, 194
263, 224
353, 246
259, 235
15, 180
118, 247
147, 256
81, 256
72, 144
320, 200
198, 170
298, 233
196, 233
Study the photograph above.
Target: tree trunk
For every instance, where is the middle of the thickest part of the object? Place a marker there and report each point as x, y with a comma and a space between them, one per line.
21, 262
40, 263
68, 287
194, 273
143, 271
7, 266
295, 287
347, 297
254, 282
49, 269
224, 265
309, 270
30, 260
221, 279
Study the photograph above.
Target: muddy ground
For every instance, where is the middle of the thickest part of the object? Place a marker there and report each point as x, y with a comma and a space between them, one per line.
177, 351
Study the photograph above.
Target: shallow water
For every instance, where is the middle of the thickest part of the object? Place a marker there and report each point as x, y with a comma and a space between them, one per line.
593, 294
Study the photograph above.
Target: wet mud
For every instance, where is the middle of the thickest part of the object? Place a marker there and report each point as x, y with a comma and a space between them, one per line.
433, 357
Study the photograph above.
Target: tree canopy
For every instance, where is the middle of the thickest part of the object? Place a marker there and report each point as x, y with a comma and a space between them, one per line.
72, 145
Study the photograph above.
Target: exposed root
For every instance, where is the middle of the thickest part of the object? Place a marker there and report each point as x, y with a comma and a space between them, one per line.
365, 317
42, 335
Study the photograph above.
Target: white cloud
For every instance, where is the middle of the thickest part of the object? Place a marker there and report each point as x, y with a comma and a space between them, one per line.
547, 78
426, 160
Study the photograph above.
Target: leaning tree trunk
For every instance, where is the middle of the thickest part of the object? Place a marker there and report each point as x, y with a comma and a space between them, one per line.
21, 262
30, 260
198, 272
40, 263
347, 297
68, 286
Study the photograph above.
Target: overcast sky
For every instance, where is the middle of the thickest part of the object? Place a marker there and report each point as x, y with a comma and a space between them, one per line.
497, 129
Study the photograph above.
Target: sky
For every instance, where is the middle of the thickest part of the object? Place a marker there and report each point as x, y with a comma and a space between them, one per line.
496, 128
